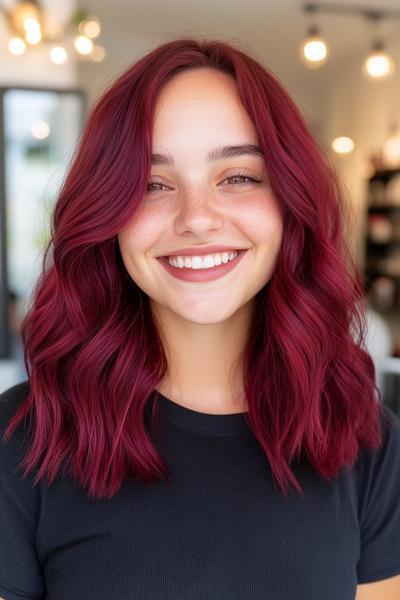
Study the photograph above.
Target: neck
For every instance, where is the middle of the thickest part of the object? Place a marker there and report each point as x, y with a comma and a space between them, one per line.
205, 367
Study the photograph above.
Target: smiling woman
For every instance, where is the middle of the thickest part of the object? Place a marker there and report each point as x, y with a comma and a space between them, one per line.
203, 416
202, 200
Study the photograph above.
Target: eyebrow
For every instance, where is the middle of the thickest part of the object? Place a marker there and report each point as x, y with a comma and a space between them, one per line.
214, 154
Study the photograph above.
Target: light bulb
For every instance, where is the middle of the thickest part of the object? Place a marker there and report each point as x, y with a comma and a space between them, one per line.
391, 151
33, 36
343, 145
98, 53
83, 44
31, 24
58, 55
40, 130
16, 46
378, 65
314, 51
90, 27
23, 14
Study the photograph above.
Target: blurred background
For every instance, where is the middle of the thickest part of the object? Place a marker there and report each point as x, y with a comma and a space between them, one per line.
340, 61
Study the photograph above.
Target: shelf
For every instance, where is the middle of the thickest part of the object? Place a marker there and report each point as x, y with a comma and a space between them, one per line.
374, 208
374, 275
385, 252
384, 174
391, 242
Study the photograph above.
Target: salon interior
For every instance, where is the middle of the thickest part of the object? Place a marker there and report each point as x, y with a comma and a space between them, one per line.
340, 62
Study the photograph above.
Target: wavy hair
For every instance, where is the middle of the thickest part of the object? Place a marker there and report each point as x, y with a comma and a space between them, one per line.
92, 350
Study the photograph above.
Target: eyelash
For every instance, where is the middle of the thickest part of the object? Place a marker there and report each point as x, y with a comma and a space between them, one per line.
242, 175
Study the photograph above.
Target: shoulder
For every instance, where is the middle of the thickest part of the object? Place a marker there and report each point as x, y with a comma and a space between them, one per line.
20, 507
14, 487
372, 461
379, 506
12, 450
390, 422
11, 399
379, 468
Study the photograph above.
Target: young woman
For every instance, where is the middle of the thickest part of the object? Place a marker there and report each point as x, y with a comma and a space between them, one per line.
201, 418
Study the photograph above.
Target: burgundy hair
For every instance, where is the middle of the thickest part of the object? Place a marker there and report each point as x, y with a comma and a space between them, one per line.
92, 351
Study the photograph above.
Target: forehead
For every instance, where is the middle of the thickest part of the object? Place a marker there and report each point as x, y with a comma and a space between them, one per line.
200, 108
196, 82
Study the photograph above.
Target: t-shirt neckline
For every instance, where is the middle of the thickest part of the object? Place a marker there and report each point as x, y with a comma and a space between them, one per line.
201, 422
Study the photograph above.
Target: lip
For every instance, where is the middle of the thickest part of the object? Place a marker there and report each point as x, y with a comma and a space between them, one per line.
200, 275
203, 250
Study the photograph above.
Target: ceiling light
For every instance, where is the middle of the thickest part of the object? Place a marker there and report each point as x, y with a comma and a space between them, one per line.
378, 64
391, 147
98, 53
26, 20
58, 55
83, 44
314, 50
16, 46
343, 145
90, 27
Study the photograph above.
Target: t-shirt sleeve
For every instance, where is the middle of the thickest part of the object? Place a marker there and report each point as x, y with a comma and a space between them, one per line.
380, 506
20, 570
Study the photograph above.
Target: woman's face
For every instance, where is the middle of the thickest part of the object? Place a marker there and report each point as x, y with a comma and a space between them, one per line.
195, 202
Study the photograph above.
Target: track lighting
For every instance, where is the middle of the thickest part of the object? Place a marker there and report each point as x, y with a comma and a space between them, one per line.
314, 50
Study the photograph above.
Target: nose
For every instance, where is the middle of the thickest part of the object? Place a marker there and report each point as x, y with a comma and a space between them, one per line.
197, 213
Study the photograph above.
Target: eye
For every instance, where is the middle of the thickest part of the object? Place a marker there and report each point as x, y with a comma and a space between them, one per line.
242, 176
154, 182
245, 179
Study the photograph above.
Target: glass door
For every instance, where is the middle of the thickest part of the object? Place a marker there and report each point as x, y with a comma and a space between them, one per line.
39, 130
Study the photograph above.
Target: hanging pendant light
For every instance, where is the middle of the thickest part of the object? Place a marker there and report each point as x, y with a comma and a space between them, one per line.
314, 50
378, 64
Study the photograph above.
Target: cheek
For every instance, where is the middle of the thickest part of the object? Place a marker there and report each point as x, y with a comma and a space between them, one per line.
129, 246
263, 221
138, 236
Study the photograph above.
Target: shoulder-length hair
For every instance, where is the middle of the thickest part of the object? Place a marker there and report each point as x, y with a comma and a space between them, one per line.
92, 350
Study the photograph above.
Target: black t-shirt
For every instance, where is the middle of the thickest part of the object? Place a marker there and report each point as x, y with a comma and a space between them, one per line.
221, 530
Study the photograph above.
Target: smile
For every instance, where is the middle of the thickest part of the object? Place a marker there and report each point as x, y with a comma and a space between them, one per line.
198, 273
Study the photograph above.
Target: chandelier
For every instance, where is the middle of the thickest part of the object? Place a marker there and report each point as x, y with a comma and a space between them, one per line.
26, 21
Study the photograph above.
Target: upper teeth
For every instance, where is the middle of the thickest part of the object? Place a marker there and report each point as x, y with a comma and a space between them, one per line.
201, 262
